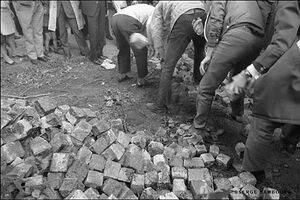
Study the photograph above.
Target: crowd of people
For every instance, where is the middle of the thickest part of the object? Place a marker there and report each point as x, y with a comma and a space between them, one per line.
255, 44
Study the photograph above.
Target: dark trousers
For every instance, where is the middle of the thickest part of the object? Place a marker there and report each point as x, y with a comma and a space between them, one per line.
123, 26
96, 29
63, 34
237, 49
180, 37
258, 145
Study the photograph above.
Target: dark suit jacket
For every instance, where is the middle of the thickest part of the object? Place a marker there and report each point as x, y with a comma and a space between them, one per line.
90, 8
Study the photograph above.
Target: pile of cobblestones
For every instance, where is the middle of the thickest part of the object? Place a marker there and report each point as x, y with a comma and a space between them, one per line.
66, 152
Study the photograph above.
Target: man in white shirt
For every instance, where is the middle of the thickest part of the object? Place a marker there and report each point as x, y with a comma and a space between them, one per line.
127, 21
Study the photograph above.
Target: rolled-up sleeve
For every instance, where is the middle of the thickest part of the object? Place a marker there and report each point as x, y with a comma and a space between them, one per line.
157, 25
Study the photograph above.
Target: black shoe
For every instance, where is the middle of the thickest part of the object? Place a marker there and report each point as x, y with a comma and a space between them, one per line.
286, 145
153, 107
43, 59
259, 175
34, 61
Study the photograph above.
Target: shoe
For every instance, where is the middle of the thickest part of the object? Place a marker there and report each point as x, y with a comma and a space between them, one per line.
43, 59
98, 61
34, 61
102, 57
287, 146
141, 82
153, 107
259, 175
123, 78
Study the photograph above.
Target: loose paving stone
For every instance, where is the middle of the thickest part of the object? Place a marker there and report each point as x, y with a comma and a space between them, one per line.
81, 130
176, 162
133, 158
51, 193
164, 182
200, 174
222, 184
125, 174
89, 113
169, 153
5, 119
168, 196
214, 150
117, 124
236, 194
138, 183
251, 192
84, 155
114, 152
179, 173
248, 178
55, 179
34, 182
103, 196
200, 189
53, 120
67, 127
77, 194
200, 149
236, 182
61, 142
112, 186
126, 193
100, 145
239, 149
208, 159
179, 188
77, 112
78, 170
270, 193
112, 197
112, 169
159, 159
223, 160
195, 162
99, 127
97, 162
19, 131
94, 179
92, 193
11, 150
110, 136
70, 118
187, 152
36, 193
123, 139
149, 193
151, 179
39, 145
155, 148
139, 140
45, 106
59, 162
68, 185
21, 168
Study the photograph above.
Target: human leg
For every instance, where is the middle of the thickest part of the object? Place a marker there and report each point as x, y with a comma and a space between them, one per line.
37, 24
10, 39
63, 34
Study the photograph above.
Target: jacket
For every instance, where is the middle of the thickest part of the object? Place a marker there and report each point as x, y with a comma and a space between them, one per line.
53, 15
165, 16
224, 15
89, 8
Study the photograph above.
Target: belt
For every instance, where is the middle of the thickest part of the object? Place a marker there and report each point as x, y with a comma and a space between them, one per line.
194, 11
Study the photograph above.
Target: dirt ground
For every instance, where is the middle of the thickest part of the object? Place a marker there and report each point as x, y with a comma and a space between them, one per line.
78, 82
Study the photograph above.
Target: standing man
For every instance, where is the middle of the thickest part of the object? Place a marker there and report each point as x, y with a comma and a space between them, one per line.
30, 15
95, 12
276, 73
173, 21
68, 12
234, 32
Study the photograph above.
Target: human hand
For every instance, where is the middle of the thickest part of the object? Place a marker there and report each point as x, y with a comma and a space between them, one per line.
198, 26
205, 62
138, 41
159, 52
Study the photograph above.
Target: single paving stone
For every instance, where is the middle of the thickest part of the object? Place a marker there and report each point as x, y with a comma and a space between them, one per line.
92, 193
138, 183
21, 168
103, 196
100, 145
97, 162
169, 153
19, 131
195, 162
112, 186
94, 179
200, 149
89, 113
112, 197
200, 174
55, 179
248, 178
61, 142
117, 124
11, 150
125, 174
110, 136
179, 173
78, 170
34, 182
250, 191
70, 118
77, 112
5, 119
68, 185
114, 152
270, 193
99, 127
159, 159
123, 139
187, 152
139, 140
127, 193
239, 149
112, 169
179, 188
223, 160
214, 150
236, 182
53, 120
67, 127
39, 145
168, 196
81, 130
200, 189
133, 158
176, 162
84, 155
208, 159
64, 108
222, 183
77, 194
45, 105
155, 148
51, 193
164, 182
59, 162
149, 193
236, 194
151, 179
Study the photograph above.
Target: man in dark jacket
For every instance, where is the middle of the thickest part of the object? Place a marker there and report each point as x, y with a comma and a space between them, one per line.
95, 12
234, 32
276, 92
